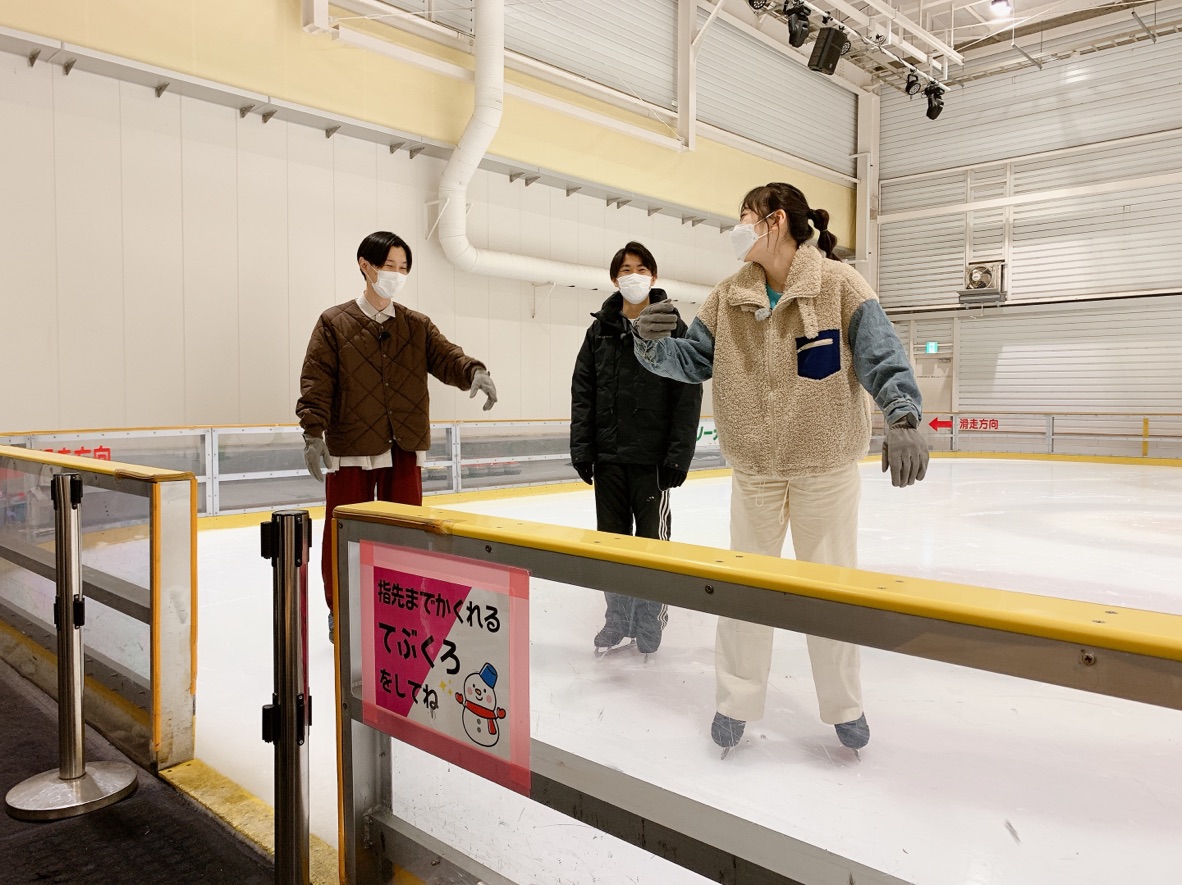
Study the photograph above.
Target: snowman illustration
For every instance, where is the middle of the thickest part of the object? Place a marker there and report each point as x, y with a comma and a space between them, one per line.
480, 707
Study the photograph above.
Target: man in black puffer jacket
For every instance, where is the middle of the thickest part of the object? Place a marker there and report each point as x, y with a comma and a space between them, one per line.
632, 435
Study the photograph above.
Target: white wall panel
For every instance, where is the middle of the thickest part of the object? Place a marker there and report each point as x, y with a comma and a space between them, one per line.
1107, 117
153, 282
209, 181
263, 354
355, 207
921, 262
1099, 245
627, 45
311, 256
89, 207
1127, 90
28, 247
1114, 356
753, 90
196, 249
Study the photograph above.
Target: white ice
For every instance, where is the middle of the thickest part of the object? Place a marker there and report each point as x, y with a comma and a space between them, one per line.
970, 777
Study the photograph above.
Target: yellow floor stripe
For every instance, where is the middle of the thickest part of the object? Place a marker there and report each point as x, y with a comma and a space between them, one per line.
249, 815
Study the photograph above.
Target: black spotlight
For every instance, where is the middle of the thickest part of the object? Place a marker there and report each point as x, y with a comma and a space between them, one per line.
935, 94
758, 5
831, 45
797, 17
912, 87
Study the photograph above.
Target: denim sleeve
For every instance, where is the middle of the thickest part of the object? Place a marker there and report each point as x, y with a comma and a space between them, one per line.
689, 359
881, 363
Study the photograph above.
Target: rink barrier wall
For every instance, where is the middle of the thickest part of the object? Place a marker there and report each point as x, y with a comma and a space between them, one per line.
254, 468
1121, 652
151, 718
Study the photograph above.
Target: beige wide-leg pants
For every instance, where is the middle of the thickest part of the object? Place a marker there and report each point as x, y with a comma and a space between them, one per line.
823, 514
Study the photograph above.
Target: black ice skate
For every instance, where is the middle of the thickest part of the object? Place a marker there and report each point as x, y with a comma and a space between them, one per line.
726, 732
854, 735
609, 638
649, 629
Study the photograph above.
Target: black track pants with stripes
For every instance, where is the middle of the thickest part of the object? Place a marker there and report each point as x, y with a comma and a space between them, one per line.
629, 500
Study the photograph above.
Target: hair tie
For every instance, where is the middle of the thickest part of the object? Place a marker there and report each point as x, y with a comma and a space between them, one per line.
815, 218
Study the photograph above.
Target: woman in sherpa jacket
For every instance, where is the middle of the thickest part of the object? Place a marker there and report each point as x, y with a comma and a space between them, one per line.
791, 341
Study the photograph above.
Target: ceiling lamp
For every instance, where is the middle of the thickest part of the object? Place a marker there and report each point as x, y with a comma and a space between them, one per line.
935, 94
797, 17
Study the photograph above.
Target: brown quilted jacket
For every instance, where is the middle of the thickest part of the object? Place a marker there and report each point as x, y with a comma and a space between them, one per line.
364, 384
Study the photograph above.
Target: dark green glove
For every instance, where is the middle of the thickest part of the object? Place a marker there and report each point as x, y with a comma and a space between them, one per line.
904, 453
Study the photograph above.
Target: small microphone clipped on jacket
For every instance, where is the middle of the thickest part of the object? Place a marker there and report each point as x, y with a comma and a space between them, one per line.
383, 335
762, 314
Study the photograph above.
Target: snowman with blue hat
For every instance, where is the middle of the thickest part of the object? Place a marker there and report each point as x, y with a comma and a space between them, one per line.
481, 712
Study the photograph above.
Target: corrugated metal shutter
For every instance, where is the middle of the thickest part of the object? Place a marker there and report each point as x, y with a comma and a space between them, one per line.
757, 92
1104, 357
923, 193
1118, 92
627, 45
1098, 245
921, 262
938, 330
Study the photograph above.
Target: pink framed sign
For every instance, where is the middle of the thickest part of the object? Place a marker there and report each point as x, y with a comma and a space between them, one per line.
445, 658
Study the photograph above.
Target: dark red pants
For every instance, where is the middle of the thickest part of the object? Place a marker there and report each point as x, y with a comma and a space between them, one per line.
400, 484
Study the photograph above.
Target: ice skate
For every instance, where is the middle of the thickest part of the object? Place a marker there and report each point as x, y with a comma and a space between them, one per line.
611, 639
726, 732
855, 734
649, 629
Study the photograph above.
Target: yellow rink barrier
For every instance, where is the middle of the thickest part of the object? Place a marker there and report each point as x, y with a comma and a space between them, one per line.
1083, 623
170, 612
1107, 650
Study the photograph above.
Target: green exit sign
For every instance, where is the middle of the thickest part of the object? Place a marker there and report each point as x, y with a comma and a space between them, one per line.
932, 347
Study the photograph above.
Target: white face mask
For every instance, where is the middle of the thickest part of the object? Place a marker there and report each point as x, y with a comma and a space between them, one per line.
635, 287
389, 283
743, 237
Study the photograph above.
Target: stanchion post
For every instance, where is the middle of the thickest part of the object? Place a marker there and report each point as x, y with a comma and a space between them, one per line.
75, 787
287, 542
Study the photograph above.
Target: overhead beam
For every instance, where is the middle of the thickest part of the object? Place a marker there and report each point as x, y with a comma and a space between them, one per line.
915, 30
687, 73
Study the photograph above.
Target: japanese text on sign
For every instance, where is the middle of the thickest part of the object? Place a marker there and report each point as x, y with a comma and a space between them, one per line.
978, 424
444, 656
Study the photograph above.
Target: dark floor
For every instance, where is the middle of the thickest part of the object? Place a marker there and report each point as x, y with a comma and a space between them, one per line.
154, 836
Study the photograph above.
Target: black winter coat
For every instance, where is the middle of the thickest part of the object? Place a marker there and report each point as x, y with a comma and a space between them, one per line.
620, 411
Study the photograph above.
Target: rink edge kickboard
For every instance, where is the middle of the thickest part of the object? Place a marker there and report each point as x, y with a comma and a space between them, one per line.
1088, 624
252, 819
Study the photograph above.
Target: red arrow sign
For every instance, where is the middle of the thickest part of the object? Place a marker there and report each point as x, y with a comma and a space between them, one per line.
937, 424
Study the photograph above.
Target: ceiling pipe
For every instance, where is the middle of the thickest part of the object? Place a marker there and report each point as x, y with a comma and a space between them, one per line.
465, 160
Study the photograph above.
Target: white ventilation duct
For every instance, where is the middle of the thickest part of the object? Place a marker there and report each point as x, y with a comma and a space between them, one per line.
464, 161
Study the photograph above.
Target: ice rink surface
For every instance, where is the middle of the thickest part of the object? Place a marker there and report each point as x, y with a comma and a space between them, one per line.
969, 778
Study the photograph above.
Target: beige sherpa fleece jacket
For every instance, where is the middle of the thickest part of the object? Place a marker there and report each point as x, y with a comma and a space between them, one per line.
790, 388
773, 420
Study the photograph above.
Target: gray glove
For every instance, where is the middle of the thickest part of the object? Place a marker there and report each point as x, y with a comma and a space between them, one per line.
482, 383
904, 453
315, 454
657, 321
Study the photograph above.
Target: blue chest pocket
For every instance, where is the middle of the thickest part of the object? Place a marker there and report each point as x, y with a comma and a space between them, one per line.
820, 357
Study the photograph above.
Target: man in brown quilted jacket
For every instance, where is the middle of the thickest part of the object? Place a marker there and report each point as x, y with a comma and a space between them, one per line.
363, 403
